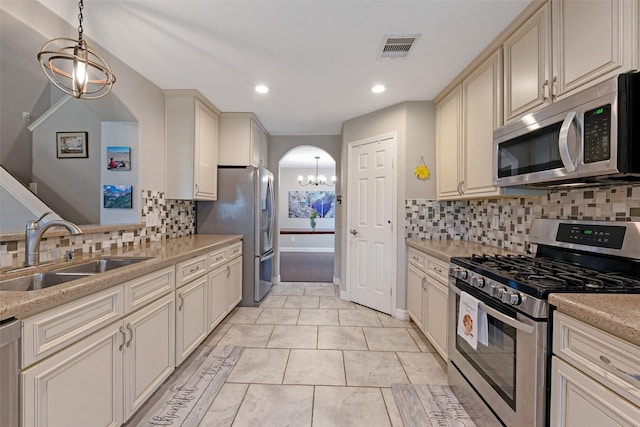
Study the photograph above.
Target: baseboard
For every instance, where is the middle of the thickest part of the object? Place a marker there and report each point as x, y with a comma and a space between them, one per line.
336, 280
312, 250
276, 279
344, 296
401, 314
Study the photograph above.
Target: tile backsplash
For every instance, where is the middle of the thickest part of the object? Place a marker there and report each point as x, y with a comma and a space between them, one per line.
505, 222
162, 219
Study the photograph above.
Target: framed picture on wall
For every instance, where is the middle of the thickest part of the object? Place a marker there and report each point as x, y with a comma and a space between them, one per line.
72, 145
119, 158
116, 197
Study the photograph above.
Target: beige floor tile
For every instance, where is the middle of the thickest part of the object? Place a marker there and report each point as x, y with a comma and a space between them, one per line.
392, 408
276, 405
349, 406
296, 301
320, 291
285, 336
247, 335
273, 301
389, 339
418, 337
278, 316
423, 368
341, 338
358, 318
373, 369
315, 367
223, 410
336, 303
288, 290
312, 316
391, 322
260, 366
243, 315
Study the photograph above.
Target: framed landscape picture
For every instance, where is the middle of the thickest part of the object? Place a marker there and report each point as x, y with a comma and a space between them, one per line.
71, 145
117, 197
119, 158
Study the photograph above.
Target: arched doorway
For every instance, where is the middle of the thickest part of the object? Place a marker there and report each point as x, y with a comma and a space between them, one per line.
306, 211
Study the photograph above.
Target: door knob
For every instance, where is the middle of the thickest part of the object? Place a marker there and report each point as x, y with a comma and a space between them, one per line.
354, 232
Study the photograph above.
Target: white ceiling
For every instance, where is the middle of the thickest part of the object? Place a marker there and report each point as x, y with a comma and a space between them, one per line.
319, 57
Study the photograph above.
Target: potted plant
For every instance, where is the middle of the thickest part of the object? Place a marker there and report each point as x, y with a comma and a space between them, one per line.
312, 219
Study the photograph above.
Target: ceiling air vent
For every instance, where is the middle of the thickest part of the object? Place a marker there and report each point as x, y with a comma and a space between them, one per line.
394, 47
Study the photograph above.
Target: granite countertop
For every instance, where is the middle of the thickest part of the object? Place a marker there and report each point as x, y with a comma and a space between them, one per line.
616, 314
444, 250
163, 254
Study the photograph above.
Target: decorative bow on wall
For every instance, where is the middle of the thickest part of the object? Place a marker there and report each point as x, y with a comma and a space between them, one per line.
422, 171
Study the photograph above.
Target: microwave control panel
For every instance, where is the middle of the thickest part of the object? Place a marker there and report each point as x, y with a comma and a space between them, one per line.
597, 134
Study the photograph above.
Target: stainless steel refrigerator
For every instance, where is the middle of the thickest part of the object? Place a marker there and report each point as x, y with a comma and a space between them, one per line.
246, 206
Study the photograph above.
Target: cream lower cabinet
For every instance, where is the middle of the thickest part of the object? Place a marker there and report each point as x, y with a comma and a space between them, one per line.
591, 377
105, 377
234, 283
191, 317
427, 297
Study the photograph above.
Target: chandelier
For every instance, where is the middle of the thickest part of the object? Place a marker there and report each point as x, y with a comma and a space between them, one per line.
75, 68
316, 179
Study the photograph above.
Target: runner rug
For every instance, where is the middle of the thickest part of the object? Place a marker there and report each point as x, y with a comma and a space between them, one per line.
423, 405
185, 403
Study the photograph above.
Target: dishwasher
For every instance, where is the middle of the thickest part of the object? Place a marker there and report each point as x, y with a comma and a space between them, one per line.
9, 354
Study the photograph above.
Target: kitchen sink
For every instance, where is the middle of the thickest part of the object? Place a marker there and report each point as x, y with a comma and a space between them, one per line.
101, 265
39, 281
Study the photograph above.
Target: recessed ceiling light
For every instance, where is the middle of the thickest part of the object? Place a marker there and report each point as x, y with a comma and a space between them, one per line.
378, 89
261, 89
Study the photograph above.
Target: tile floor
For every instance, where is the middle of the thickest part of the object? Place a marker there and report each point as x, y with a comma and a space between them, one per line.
311, 359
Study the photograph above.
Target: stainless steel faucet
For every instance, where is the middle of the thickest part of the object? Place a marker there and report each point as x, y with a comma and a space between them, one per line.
34, 232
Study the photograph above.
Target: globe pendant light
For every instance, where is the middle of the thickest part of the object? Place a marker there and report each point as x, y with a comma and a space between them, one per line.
75, 68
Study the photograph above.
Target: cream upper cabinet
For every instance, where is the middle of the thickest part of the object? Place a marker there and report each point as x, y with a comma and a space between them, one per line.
592, 41
448, 141
465, 121
191, 146
243, 140
565, 46
527, 63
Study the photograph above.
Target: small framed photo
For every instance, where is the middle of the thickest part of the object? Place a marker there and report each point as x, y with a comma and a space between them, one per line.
116, 197
119, 158
72, 145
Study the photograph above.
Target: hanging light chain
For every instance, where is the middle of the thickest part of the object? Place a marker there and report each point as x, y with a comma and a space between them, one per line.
80, 18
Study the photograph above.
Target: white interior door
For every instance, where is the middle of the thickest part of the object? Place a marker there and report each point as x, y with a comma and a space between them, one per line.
370, 220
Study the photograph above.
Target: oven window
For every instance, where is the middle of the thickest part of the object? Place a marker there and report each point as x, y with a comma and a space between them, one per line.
497, 361
533, 152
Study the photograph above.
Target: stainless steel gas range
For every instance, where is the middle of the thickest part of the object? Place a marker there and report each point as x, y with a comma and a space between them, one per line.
503, 378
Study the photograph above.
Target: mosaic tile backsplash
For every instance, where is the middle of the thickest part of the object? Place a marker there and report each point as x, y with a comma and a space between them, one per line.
171, 219
505, 222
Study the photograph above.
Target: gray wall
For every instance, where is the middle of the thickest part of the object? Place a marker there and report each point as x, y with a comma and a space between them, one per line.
281, 145
414, 124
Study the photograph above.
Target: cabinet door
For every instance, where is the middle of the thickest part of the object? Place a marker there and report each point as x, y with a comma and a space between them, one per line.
149, 353
78, 386
191, 317
448, 140
577, 401
591, 42
527, 63
257, 138
217, 293
234, 283
206, 154
436, 316
416, 281
482, 113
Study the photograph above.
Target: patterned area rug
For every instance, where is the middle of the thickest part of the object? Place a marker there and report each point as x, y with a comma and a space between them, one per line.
185, 403
422, 405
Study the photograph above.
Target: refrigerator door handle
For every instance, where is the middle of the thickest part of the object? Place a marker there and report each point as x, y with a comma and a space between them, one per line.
267, 255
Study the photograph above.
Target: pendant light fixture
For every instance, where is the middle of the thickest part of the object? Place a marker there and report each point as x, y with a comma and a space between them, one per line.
316, 179
75, 68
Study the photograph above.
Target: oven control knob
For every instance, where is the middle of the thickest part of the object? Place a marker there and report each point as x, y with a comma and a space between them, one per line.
462, 274
493, 290
499, 293
515, 298
480, 282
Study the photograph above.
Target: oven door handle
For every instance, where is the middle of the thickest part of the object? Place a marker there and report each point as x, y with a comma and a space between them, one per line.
523, 327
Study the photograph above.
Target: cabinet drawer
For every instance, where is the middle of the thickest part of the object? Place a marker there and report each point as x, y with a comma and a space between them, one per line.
417, 258
148, 288
188, 270
217, 258
235, 250
438, 269
52, 330
604, 357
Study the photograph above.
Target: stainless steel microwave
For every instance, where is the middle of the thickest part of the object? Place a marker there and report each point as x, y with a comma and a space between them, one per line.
591, 137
